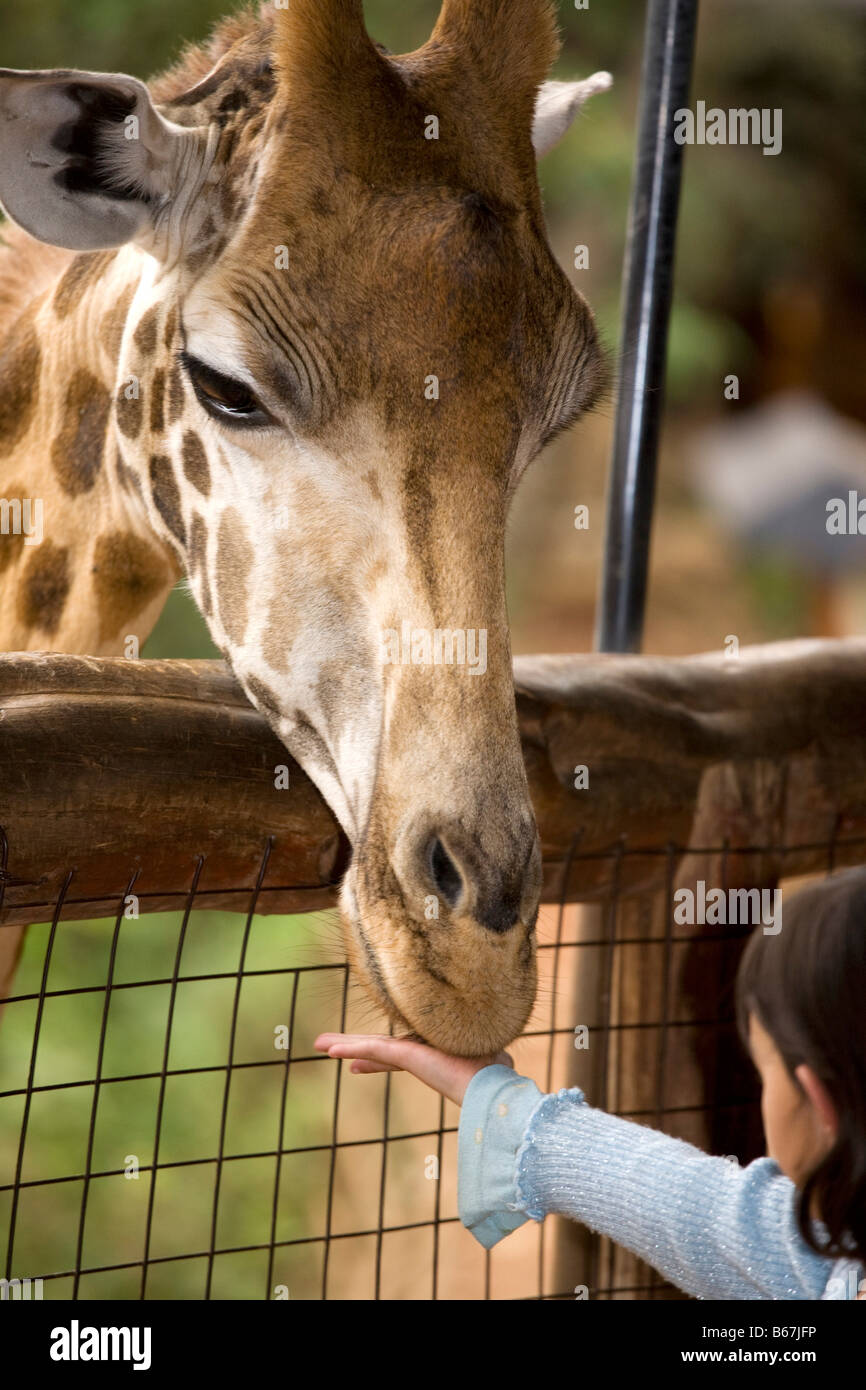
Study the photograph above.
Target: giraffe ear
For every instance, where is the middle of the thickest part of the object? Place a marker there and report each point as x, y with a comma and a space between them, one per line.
86, 160
557, 105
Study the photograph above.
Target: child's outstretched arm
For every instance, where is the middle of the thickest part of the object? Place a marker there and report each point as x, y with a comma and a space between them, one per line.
712, 1228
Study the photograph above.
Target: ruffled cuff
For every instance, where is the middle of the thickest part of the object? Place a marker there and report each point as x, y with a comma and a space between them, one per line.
494, 1122
528, 1157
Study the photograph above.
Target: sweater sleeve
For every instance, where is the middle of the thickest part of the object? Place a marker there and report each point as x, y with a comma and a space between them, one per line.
712, 1228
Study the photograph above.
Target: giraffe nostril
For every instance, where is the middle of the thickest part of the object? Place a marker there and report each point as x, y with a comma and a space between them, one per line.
444, 872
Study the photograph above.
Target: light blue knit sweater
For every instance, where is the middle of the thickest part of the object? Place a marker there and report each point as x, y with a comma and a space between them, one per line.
712, 1228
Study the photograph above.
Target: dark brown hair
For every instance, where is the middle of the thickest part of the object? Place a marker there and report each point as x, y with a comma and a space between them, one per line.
807, 987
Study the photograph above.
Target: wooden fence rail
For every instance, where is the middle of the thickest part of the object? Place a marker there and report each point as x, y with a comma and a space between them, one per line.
106, 765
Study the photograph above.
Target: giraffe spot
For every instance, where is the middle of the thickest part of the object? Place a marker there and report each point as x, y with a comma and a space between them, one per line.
351, 672
251, 131
157, 402
228, 200
144, 336
198, 561
11, 542
44, 587
175, 394
77, 450
128, 574
83, 271
263, 696
373, 484
418, 513
234, 101
197, 544
166, 496
20, 359
206, 600
128, 410
114, 322
305, 738
278, 637
170, 327
264, 83
233, 566
195, 464
128, 478
197, 259
11, 546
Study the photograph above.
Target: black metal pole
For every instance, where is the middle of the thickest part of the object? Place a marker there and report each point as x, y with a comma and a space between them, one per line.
648, 279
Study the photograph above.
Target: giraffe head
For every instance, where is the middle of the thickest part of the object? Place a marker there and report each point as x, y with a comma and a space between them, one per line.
346, 338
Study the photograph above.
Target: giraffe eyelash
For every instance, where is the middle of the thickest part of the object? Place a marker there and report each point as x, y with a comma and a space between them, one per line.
225, 399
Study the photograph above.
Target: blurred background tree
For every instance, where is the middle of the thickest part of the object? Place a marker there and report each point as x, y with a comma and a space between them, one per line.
746, 220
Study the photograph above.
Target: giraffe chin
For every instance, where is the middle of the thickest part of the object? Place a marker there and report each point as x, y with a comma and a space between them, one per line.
450, 984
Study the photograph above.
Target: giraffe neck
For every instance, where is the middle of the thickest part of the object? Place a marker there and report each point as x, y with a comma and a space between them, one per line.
80, 568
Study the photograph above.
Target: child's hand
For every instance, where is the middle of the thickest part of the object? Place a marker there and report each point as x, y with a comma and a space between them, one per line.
448, 1075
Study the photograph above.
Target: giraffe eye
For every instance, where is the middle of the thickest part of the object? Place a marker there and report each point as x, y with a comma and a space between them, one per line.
223, 397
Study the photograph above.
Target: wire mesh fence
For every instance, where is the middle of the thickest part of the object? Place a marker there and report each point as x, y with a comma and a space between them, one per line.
167, 1129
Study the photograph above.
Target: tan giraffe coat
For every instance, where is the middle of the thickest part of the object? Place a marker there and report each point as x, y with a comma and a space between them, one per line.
312, 335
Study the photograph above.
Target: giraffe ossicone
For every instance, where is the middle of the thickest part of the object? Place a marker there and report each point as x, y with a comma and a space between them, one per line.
224, 302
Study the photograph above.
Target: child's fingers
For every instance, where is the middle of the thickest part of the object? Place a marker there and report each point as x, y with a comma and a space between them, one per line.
325, 1041
446, 1074
368, 1068
394, 1053
368, 1045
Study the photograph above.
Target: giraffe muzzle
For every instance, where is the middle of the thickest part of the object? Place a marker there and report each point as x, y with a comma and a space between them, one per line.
441, 929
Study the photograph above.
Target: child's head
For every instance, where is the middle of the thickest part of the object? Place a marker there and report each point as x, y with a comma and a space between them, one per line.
801, 1008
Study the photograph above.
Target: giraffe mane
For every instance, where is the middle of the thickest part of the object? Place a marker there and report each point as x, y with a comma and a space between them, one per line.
198, 59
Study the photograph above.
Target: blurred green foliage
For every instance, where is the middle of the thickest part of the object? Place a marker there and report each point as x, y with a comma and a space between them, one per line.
181, 631
747, 220
59, 1120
